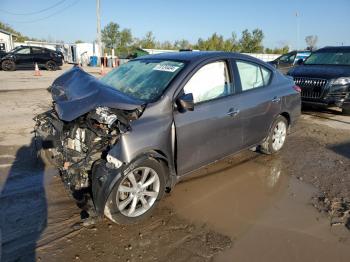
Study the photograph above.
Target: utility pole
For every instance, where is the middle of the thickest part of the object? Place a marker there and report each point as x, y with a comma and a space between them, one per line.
99, 27
298, 29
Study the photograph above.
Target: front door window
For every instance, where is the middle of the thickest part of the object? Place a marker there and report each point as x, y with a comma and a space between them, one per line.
210, 82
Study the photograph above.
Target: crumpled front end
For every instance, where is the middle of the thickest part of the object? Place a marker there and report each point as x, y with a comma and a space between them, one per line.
73, 147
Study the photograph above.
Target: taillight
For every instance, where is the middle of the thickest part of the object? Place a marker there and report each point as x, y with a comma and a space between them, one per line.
297, 88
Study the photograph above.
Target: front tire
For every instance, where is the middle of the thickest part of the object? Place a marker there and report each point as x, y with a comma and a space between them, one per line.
137, 192
8, 65
51, 65
277, 136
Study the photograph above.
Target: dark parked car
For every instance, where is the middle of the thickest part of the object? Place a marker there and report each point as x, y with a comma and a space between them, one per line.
27, 56
324, 78
285, 62
132, 135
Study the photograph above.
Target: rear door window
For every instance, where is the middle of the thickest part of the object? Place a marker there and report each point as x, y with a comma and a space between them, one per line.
36, 50
252, 75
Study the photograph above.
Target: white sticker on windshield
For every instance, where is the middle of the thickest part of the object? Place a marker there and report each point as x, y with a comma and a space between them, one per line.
166, 68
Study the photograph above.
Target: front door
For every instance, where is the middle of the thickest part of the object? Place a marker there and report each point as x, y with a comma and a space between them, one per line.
286, 62
214, 129
23, 57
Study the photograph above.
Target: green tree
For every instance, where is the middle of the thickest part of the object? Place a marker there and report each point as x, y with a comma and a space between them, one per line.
214, 42
125, 41
231, 44
78, 42
167, 45
110, 35
149, 41
282, 50
182, 44
251, 42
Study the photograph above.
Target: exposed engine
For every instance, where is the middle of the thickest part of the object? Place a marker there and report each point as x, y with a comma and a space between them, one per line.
74, 146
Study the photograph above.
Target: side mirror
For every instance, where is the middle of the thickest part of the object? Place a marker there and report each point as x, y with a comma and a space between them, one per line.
300, 61
185, 102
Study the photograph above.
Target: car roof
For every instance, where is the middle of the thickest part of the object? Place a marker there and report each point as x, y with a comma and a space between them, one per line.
28, 46
334, 49
192, 56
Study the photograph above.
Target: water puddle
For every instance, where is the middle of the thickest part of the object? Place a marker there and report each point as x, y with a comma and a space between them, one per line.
267, 213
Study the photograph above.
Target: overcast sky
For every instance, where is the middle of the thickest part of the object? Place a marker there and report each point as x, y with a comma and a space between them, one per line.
70, 20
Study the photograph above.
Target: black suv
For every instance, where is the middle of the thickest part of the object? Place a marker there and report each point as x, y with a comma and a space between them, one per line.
324, 78
28, 56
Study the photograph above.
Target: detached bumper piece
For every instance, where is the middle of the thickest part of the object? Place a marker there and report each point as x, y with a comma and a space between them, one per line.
103, 180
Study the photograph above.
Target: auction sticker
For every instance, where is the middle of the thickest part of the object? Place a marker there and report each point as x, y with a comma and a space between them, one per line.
166, 68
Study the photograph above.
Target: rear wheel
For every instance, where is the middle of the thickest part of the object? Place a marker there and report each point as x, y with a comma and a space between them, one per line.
51, 65
277, 136
8, 65
136, 194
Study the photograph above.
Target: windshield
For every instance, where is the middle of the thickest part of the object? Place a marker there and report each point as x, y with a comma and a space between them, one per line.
143, 79
328, 58
16, 48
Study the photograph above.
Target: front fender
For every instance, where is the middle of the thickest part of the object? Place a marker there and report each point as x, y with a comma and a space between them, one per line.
104, 178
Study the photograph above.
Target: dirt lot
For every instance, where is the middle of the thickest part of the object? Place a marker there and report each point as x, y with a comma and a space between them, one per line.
250, 207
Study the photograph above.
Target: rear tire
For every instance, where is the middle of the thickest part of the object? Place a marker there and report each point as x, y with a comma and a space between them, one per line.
137, 192
276, 138
8, 65
51, 65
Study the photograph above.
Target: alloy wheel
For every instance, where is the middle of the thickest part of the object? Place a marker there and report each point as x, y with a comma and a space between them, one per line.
138, 191
8, 65
279, 135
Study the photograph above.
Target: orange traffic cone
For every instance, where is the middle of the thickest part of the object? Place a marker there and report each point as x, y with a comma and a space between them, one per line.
37, 71
102, 71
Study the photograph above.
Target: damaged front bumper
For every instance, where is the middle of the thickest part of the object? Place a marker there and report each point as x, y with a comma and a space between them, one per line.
103, 179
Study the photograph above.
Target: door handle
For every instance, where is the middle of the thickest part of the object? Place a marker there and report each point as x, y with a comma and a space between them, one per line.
233, 112
276, 99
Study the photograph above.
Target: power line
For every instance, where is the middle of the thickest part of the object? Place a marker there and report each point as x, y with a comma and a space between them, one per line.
35, 12
49, 16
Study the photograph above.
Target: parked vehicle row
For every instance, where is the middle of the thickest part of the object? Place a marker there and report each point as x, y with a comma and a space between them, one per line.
324, 78
25, 57
132, 135
287, 61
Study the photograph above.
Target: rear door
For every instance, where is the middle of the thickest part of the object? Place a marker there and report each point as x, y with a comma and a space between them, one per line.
214, 129
40, 55
260, 100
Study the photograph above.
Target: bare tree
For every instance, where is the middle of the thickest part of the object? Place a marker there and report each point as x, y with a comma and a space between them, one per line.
311, 41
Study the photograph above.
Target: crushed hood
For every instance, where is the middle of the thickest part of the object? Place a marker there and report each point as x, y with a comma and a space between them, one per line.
76, 93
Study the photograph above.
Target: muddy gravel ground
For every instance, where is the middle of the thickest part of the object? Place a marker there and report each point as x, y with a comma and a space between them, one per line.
293, 206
